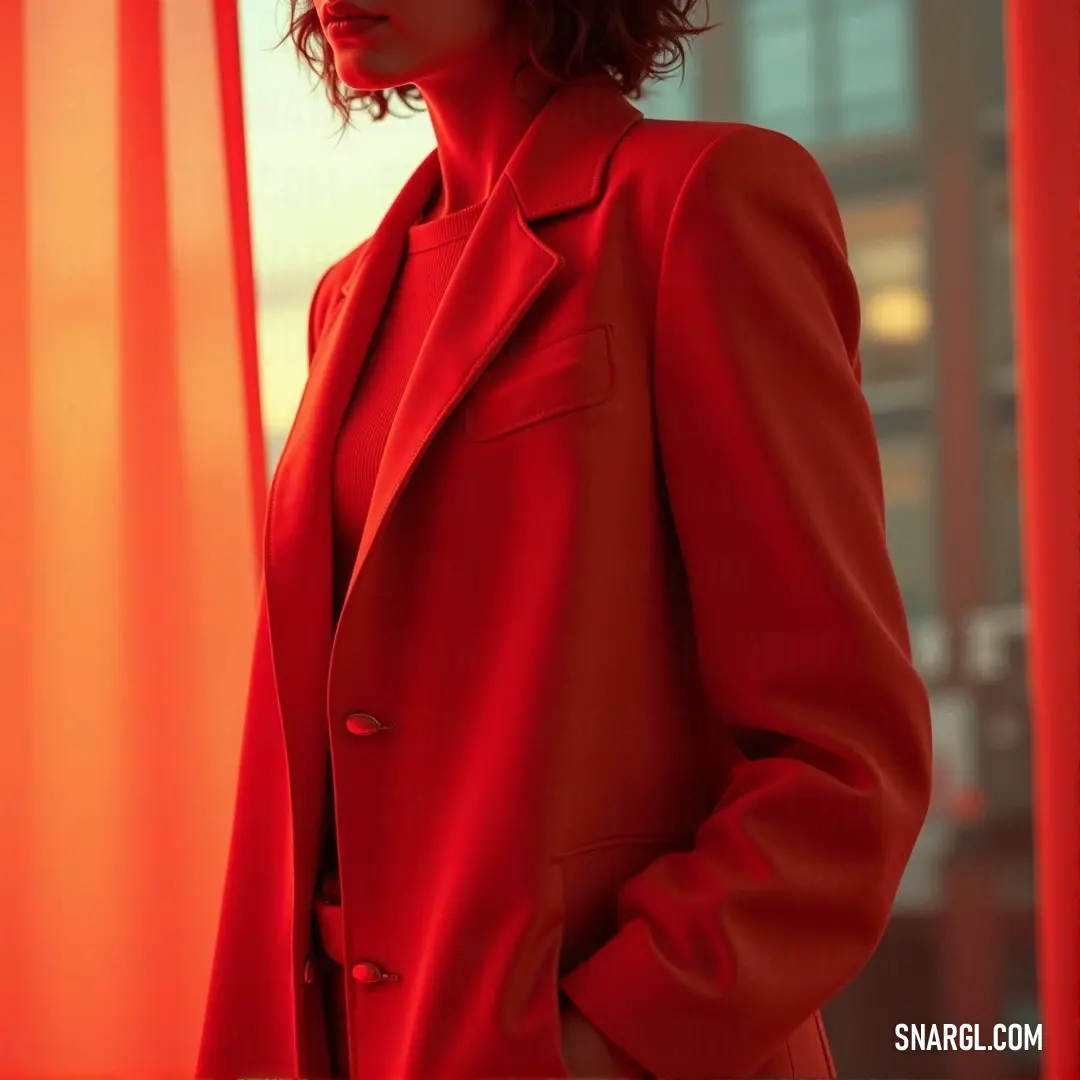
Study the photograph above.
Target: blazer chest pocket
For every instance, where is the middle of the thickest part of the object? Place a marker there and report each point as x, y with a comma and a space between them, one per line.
574, 373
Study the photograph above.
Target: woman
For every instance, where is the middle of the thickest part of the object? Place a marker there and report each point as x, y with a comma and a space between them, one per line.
575, 573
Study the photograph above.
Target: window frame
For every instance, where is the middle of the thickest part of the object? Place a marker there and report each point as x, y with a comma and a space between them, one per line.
822, 121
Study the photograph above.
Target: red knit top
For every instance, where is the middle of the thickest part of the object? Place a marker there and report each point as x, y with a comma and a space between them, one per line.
432, 253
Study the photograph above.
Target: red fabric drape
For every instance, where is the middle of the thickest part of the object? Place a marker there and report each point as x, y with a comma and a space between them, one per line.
1044, 101
131, 480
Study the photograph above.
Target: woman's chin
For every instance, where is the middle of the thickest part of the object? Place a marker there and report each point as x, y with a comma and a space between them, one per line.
360, 74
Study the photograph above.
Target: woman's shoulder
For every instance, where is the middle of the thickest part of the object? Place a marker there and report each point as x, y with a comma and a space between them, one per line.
335, 277
674, 146
661, 160
329, 291
332, 284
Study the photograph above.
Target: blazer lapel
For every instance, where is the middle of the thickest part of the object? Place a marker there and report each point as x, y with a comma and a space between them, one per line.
298, 563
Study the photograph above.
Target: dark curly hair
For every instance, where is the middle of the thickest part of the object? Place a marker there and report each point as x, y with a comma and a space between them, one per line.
631, 40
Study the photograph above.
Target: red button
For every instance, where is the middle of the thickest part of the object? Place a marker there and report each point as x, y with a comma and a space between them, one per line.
367, 972
309, 971
364, 724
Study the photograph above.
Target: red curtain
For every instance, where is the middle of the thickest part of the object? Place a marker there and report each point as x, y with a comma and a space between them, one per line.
1044, 69
131, 485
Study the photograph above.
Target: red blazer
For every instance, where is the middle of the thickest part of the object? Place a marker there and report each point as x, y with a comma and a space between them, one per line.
646, 728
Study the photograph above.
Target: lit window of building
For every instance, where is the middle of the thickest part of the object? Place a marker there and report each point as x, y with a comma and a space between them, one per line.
887, 249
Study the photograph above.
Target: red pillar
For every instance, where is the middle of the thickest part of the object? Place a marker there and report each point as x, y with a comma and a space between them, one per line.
1044, 68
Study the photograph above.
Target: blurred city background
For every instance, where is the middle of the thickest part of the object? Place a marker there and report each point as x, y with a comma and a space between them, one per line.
903, 103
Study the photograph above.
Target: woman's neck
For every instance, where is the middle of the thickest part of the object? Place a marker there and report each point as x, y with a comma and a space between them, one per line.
480, 111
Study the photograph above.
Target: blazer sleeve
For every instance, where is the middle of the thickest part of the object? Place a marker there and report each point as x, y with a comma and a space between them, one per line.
773, 475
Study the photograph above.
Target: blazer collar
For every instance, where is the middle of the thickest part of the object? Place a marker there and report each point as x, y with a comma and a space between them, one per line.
559, 166
561, 163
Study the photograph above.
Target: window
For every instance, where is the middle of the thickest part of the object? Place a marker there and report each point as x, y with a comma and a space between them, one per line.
907, 466
887, 252
873, 61
781, 86
829, 69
